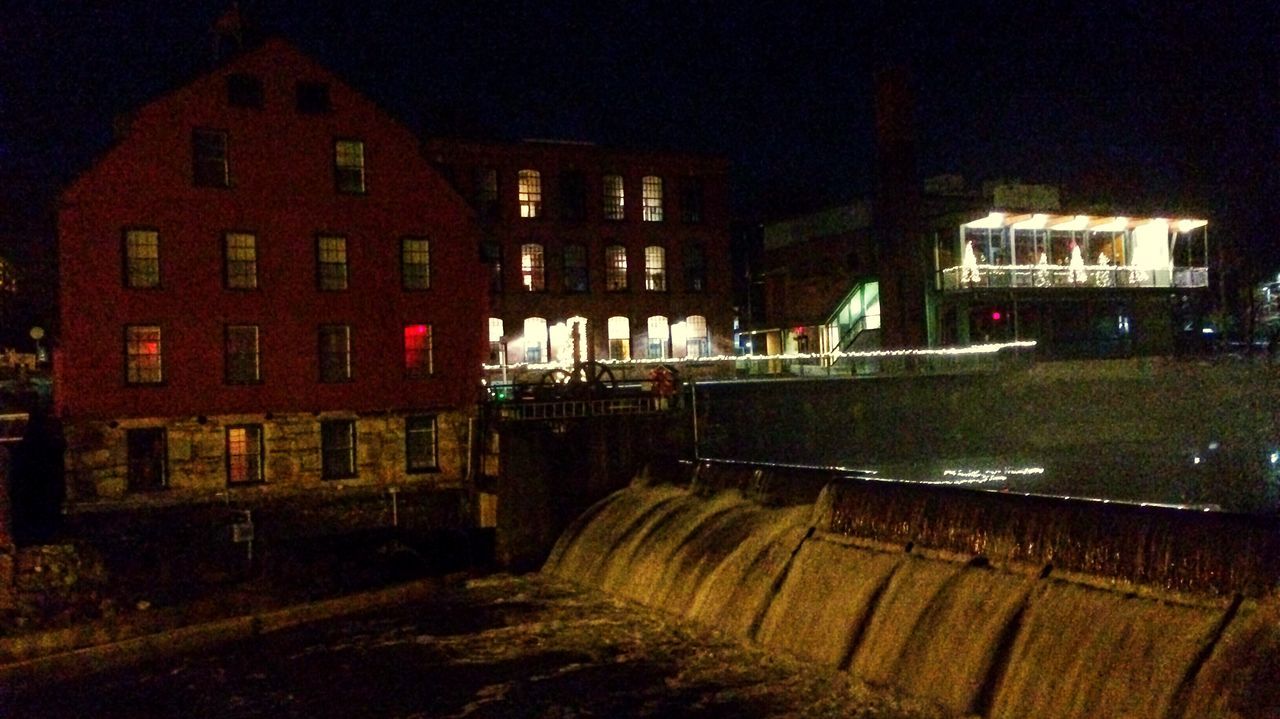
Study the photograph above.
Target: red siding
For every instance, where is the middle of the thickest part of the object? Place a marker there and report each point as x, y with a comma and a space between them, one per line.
281, 165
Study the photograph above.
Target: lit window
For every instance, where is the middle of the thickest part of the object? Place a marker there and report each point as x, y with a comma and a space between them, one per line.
335, 353
530, 192
348, 166
533, 275
240, 256
659, 333
613, 197
420, 451
142, 258
142, 354
331, 262
312, 98
535, 339
619, 338
697, 344
487, 192
244, 454
209, 158
576, 276
615, 268
691, 200
415, 263
695, 268
244, 91
338, 449
417, 351
242, 360
651, 198
147, 457
497, 353
655, 269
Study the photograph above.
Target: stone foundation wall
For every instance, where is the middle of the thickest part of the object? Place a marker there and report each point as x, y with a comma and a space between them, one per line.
96, 459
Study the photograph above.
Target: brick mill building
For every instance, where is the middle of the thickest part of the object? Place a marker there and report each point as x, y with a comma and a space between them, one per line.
629, 249
265, 288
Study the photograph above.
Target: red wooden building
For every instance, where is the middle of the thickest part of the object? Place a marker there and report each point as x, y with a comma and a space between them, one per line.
264, 283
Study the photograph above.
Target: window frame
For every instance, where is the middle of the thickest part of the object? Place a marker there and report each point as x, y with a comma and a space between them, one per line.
614, 208
695, 273
321, 264
131, 366
573, 196
342, 173
580, 270
228, 262
256, 455
326, 359
613, 271
129, 259
133, 439
692, 200
651, 200
413, 369
533, 267
231, 361
655, 268
410, 431
349, 469
487, 192
405, 252
199, 158
529, 193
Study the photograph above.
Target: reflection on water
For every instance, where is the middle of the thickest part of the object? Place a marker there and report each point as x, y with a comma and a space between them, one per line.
1221, 476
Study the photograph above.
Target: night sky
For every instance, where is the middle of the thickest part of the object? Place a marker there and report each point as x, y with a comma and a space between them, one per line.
1151, 104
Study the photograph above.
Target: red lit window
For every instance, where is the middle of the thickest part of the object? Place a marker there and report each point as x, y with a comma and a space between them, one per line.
142, 355
417, 351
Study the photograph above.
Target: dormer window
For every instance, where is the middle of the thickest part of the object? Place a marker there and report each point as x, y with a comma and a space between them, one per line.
244, 91
313, 98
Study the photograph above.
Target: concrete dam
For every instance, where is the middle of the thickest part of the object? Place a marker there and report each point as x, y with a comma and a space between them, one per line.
985, 604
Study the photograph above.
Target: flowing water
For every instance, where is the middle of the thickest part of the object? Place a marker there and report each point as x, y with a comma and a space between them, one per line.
1004, 640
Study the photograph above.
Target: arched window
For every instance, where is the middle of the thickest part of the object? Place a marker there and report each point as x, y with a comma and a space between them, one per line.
655, 268
615, 268
613, 197
696, 341
533, 268
530, 193
659, 336
651, 198
535, 339
619, 338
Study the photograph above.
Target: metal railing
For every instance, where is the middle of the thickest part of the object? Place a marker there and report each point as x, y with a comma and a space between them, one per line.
577, 408
959, 279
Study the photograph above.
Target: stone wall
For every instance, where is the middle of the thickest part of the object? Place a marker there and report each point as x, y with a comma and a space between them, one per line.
97, 455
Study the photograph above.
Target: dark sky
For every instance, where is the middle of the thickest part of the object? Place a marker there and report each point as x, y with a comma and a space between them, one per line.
1172, 100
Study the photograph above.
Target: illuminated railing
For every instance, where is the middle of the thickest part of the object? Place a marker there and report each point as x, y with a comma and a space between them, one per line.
639, 373
959, 279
